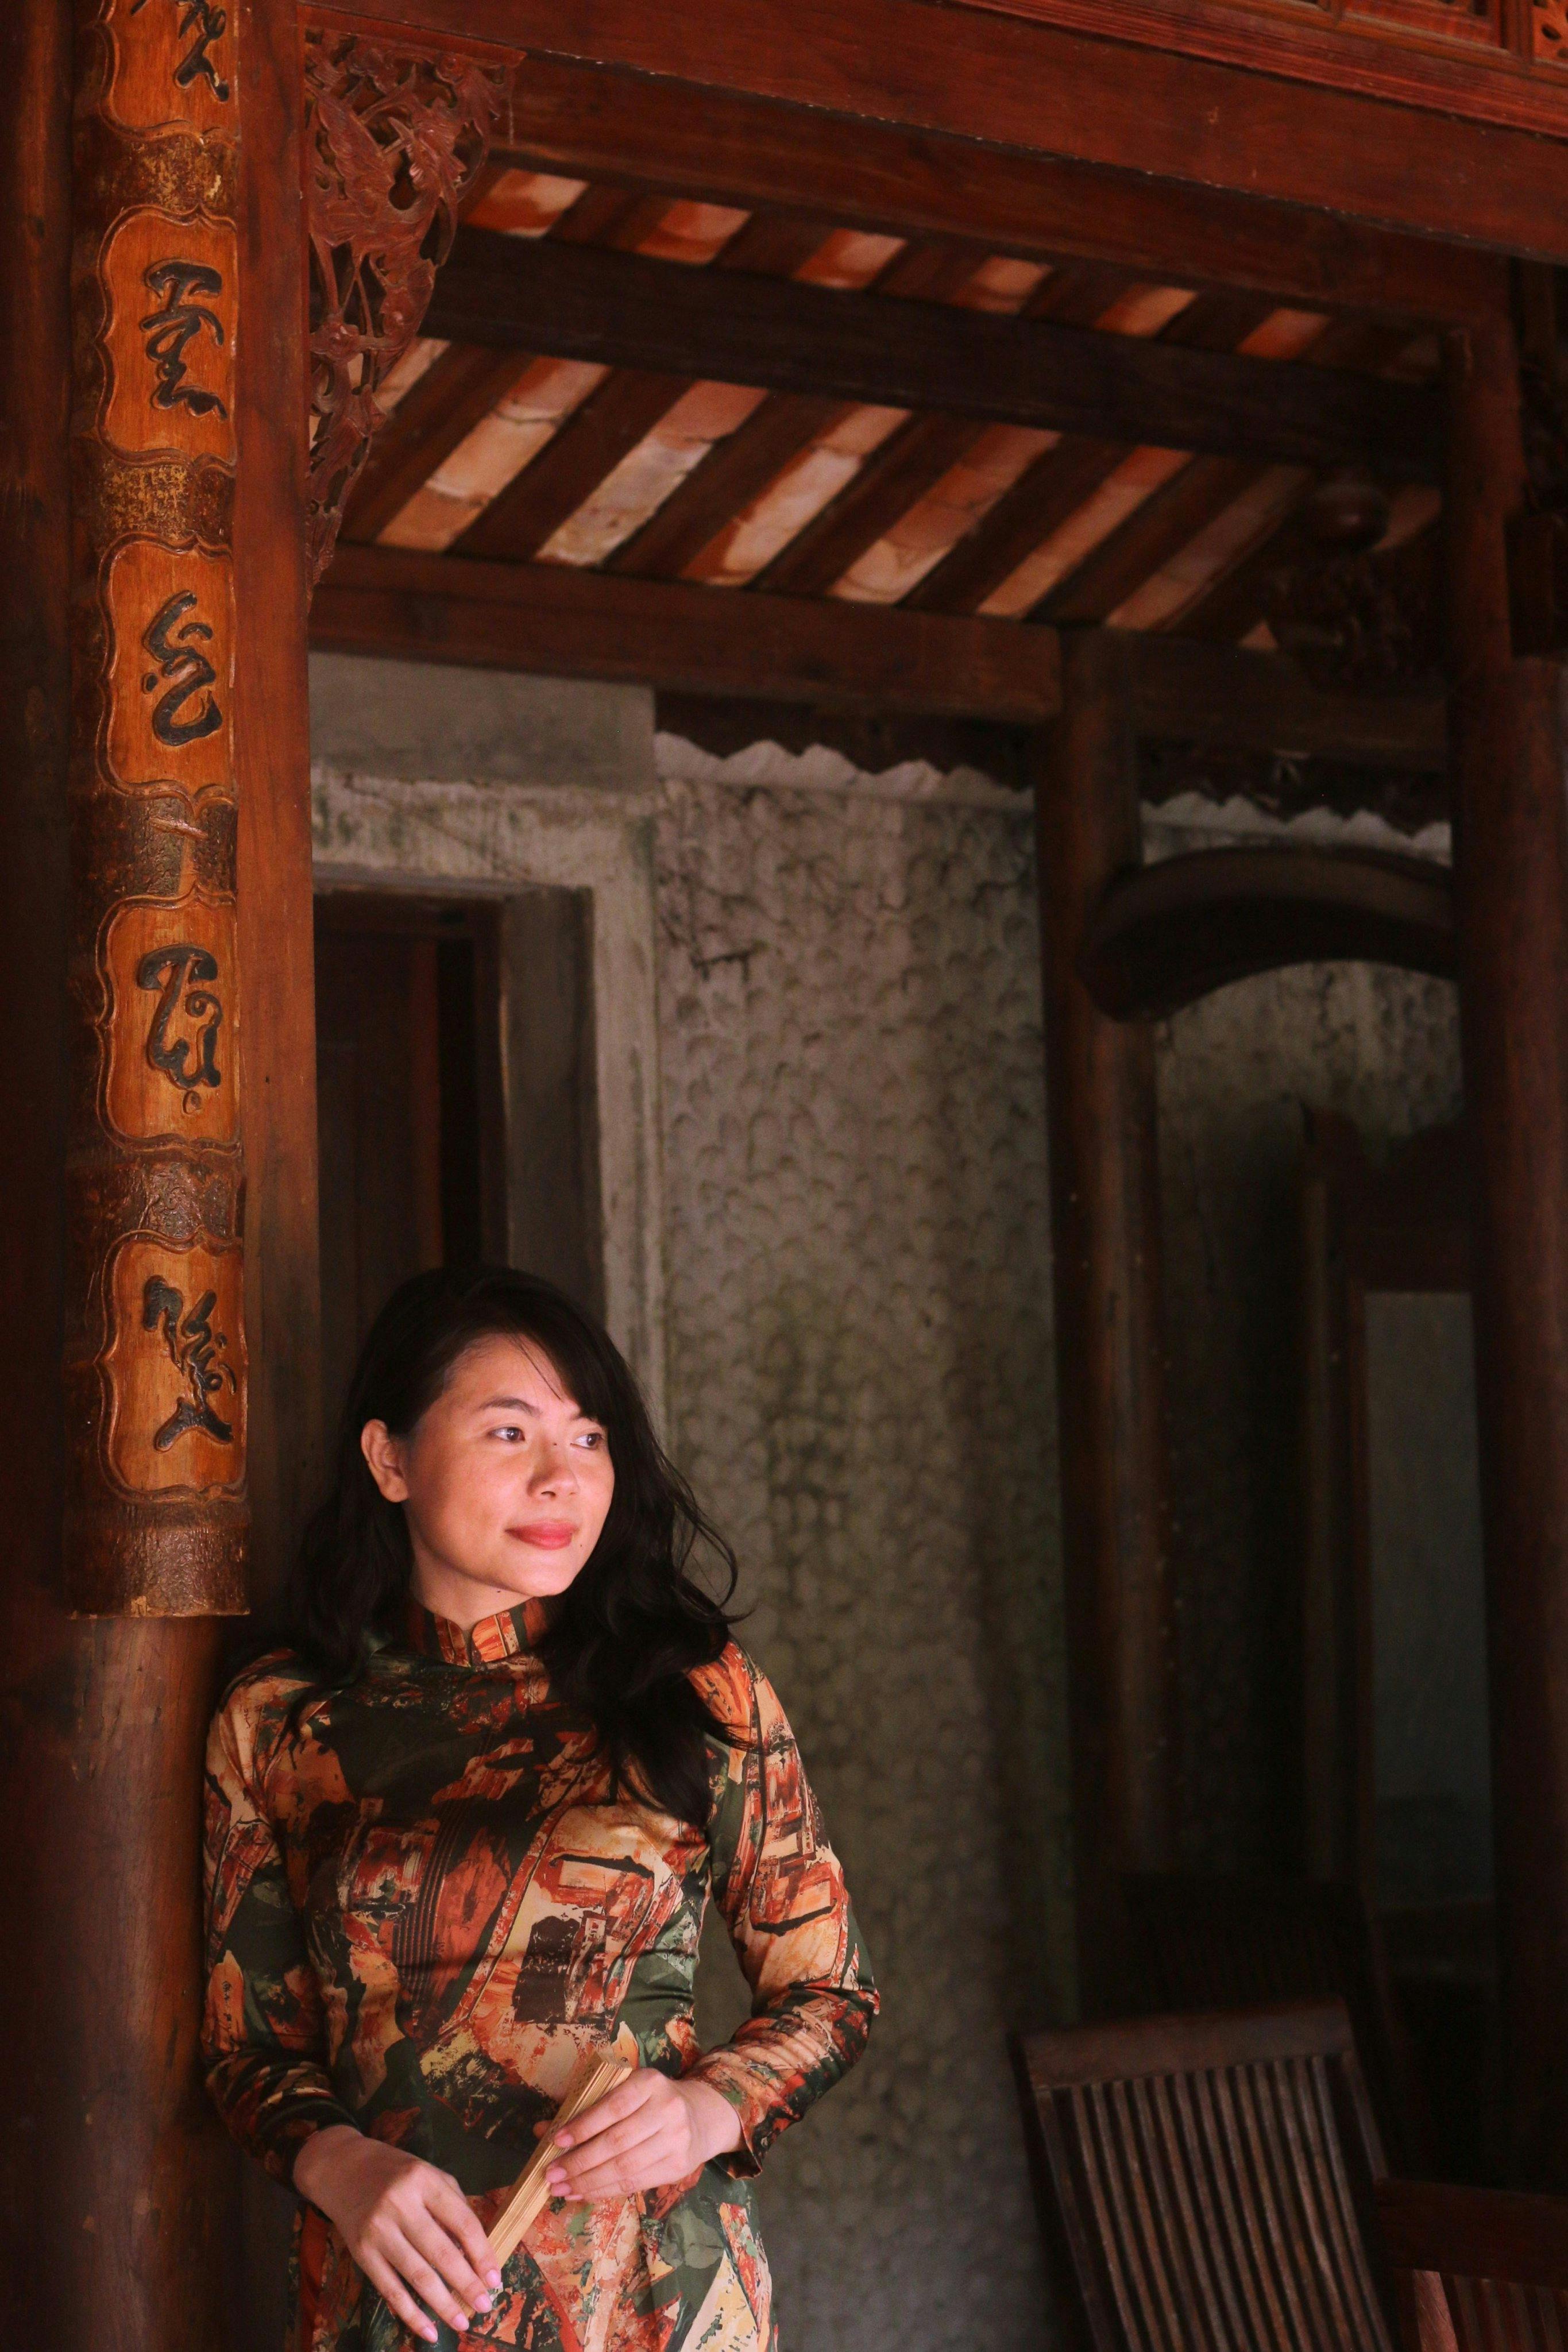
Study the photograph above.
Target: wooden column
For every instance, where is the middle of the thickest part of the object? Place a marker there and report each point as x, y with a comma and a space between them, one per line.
1110, 1356
155, 578
1511, 904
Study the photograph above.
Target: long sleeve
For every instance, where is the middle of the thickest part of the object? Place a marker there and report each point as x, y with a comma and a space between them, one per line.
779, 1887
263, 2038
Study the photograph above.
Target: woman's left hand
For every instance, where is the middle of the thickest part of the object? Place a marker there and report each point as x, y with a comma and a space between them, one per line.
649, 2132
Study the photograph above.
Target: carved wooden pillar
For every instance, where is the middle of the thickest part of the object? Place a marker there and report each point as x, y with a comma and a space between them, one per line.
117, 903
1110, 1357
155, 1351
1511, 904
155, 468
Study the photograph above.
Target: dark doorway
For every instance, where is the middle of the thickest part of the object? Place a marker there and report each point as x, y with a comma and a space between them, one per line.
410, 1113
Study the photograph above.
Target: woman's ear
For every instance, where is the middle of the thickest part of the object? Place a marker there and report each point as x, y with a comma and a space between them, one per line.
383, 1453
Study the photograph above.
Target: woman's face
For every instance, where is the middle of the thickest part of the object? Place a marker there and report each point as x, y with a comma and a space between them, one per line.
505, 1483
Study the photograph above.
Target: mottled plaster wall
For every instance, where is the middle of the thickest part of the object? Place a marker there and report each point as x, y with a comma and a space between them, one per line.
861, 1383
1381, 1047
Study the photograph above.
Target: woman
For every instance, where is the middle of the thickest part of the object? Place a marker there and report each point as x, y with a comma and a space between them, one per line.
464, 1827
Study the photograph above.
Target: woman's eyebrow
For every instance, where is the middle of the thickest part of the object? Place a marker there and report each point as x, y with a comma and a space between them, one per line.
512, 1404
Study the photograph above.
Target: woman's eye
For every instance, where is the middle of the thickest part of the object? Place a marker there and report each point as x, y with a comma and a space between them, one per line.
593, 1438
509, 1432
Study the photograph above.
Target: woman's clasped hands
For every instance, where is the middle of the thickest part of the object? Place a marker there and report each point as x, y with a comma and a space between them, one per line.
414, 2233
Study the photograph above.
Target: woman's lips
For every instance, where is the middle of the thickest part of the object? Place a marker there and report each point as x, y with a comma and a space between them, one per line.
550, 1535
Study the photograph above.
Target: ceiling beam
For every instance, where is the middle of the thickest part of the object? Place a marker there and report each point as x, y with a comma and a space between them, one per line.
1229, 700
560, 622
730, 148
1049, 90
554, 620
624, 309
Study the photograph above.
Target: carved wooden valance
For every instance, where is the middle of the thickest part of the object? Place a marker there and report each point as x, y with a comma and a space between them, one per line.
394, 140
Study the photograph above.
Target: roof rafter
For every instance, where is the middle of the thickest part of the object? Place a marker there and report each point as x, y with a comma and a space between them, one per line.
623, 310
456, 393
723, 485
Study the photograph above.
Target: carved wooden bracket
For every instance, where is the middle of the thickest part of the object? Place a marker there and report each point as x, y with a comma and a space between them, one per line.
394, 139
154, 1360
1353, 618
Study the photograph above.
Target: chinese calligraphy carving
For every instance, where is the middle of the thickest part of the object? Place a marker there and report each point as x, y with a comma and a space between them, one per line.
193, 1348
169, 1021
203, 26
169, 329
189, 672
154, 1364
171, 338
175, 971
174, 1368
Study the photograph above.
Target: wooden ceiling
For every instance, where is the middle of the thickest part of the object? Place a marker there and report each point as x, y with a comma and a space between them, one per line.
636, 384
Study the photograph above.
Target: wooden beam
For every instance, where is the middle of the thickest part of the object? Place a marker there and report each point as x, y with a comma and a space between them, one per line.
625, 310
727, 146
555, 619
915, 460
1227, 697
551, 618
1048, 92
1111, 1354
1165, 935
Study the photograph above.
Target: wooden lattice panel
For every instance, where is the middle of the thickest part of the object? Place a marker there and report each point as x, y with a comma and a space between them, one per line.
1477, 23
1548, 32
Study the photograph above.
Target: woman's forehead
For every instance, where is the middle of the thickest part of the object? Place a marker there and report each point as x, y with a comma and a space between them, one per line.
512, 1364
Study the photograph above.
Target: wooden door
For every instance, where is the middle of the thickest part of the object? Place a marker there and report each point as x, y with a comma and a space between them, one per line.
1398, 1780
410, 1115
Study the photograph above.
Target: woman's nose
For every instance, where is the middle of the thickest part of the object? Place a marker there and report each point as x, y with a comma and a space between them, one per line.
553, 1471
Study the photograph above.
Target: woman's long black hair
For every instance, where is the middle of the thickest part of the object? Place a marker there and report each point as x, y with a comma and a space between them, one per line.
632, 1622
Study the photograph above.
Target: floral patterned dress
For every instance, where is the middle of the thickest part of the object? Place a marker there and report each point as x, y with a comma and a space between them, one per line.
424, 1903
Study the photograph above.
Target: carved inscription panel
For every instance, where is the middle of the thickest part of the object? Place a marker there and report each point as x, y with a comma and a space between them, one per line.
155, 1349
171, 336
172, 658
176, 62
171, 1039
174, 1370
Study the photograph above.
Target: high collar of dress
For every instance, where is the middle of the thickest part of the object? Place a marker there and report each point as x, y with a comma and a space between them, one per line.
512, 1634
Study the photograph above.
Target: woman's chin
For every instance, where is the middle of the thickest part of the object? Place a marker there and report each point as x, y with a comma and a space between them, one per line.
539, 1575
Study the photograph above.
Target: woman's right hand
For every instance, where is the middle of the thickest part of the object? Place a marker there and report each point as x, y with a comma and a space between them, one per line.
407, 2226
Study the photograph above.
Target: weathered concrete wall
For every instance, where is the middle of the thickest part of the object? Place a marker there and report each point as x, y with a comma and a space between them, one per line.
860, 1376
857, 1324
